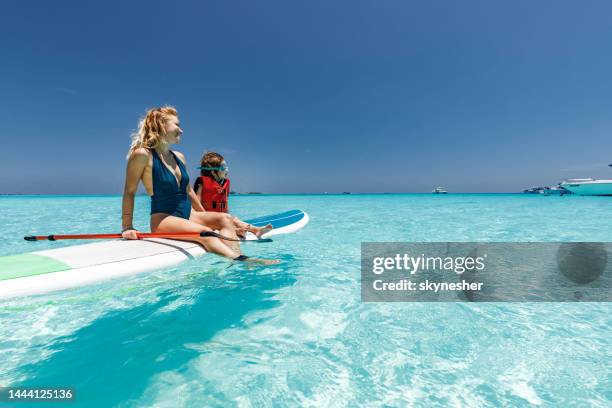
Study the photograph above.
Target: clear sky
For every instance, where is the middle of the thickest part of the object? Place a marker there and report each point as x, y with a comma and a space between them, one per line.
311, 96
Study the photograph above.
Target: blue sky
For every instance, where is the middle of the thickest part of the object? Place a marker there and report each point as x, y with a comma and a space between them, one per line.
317, 96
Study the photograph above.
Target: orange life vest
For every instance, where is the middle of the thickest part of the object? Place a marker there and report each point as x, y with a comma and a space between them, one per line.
213, 195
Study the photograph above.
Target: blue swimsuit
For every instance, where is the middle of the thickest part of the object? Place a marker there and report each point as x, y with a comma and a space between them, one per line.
168, 197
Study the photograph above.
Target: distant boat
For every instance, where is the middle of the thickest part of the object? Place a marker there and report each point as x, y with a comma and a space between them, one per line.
533, 190
588, 187
555, 190
439, 190
346, 192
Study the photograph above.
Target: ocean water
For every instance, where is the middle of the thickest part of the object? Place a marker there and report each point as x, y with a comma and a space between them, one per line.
297, 334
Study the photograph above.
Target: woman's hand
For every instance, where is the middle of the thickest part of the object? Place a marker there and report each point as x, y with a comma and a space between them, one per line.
129, 234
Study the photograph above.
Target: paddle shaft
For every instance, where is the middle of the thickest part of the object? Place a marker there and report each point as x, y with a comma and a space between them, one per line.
140, 235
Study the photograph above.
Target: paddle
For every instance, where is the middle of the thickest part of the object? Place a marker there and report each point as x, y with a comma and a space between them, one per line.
140, 235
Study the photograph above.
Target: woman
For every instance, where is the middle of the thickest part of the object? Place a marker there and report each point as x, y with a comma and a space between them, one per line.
165, 178
213, 188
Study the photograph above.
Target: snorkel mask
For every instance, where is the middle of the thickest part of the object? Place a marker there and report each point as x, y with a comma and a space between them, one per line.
220, 168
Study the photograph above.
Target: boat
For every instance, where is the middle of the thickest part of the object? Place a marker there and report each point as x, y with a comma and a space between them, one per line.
439, 190
588, 187
56, 269
533, 190
555, 190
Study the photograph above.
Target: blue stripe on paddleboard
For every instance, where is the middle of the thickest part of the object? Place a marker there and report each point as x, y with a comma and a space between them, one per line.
278, 220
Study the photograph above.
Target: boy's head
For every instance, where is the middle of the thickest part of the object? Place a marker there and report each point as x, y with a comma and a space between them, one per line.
213, 165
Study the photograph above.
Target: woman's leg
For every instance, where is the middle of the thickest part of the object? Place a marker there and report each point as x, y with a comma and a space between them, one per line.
169, 223
218, 221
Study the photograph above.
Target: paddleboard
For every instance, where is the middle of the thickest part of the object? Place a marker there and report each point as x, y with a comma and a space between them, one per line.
78, 265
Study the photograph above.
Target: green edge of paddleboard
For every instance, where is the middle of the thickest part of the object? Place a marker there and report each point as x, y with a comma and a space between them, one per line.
19, 266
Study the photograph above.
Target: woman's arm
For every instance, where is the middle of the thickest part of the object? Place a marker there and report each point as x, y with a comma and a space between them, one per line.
195, 201
135, 168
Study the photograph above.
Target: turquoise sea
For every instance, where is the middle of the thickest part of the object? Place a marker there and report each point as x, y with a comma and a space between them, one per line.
298, 334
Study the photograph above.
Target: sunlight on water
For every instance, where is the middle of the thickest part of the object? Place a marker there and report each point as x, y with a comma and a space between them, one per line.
205, 334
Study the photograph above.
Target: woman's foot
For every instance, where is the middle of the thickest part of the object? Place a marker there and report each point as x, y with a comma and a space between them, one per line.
263, 261
259, 231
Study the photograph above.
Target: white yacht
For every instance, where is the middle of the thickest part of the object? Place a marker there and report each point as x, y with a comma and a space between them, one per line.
439, 190
588, 186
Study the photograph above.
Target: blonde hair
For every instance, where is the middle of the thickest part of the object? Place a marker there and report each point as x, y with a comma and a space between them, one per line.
151, 128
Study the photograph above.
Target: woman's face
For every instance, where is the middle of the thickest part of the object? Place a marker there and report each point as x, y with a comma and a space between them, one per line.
173, 130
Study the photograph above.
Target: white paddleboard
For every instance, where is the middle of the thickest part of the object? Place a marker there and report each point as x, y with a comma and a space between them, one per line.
68, 267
